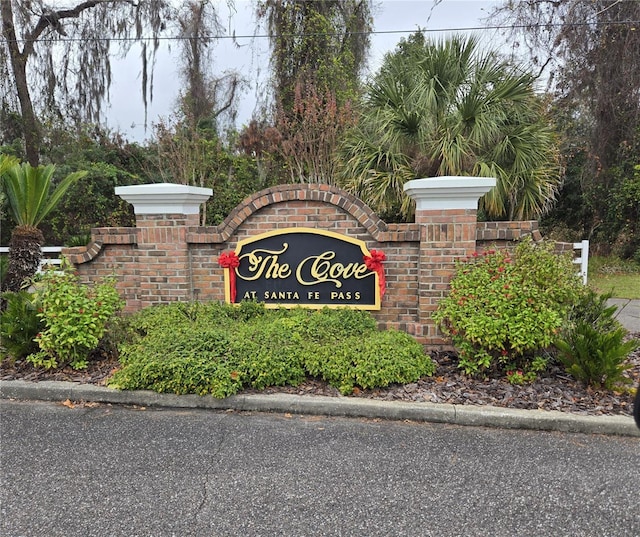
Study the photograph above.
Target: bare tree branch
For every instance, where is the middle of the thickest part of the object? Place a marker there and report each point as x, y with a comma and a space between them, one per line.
73, 77
52, 18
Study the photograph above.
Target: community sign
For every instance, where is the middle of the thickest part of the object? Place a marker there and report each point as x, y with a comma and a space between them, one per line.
304, 267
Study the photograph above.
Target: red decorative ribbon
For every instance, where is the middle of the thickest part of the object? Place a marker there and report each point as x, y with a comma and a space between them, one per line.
231, 261
374, 263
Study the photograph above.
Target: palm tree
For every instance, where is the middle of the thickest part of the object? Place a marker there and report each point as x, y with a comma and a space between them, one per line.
446, 108
5, 162
30, 196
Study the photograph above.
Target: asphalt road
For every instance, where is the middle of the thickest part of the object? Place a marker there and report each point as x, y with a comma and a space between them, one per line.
111, 471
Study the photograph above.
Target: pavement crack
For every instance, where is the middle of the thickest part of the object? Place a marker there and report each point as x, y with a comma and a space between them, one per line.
213, 459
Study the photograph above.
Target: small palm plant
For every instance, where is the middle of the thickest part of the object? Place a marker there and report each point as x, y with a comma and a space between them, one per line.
595, 357
31, 197
592, 347
5, 162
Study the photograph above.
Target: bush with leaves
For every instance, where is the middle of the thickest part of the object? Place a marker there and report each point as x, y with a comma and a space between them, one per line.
594, 357
592, 345
218, 349
380, 359
505, 306
19, 324
594, 309
75, 318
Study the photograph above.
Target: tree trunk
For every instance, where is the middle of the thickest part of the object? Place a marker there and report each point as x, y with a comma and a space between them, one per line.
24, 257
19, 66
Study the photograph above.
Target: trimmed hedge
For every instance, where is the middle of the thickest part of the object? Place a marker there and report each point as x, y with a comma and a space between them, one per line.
219, 349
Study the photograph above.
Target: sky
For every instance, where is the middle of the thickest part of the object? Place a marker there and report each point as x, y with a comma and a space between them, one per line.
396, 18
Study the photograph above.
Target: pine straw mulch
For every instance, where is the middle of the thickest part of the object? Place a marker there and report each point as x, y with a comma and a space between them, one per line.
554, 390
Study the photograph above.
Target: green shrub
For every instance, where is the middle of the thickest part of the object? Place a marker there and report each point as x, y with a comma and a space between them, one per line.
159, 318
75, 318
325, 326
4, 265
529, 371
179, 374
374, 361
269, 353
505, 306
593, 309
20, 324
245, 311
595, 357
218, 349
591, 346
180, 357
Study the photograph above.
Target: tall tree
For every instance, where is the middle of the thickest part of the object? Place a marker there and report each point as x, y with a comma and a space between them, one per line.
319, 51
68, 53
324, 43
449, 108
206, 98
589, 52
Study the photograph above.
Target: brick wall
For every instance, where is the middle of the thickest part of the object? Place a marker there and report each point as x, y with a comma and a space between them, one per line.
169, 257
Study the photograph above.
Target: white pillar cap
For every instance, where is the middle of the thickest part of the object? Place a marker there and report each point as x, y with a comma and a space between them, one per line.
164, 198
449, 192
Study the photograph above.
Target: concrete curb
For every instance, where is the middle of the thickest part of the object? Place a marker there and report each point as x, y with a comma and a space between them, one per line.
480, 416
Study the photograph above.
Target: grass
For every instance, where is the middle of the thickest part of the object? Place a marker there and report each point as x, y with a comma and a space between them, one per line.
622, 277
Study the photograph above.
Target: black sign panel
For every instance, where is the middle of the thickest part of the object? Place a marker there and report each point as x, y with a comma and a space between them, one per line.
306, 267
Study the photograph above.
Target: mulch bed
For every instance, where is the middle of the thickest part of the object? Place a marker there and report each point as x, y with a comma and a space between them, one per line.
555, 390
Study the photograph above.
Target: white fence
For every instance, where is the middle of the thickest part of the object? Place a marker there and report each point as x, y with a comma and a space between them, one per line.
50, 255
581, 256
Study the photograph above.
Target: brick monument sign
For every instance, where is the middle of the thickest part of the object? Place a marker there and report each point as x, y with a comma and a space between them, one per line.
314, 245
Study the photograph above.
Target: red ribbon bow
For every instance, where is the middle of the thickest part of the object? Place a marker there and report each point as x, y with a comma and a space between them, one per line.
230, 261
374, 263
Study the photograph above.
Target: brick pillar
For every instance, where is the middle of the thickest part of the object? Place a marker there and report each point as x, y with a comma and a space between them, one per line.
446, 211
163, 212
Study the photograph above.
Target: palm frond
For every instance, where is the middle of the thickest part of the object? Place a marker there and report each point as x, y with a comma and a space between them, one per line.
447, 108
29, 191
